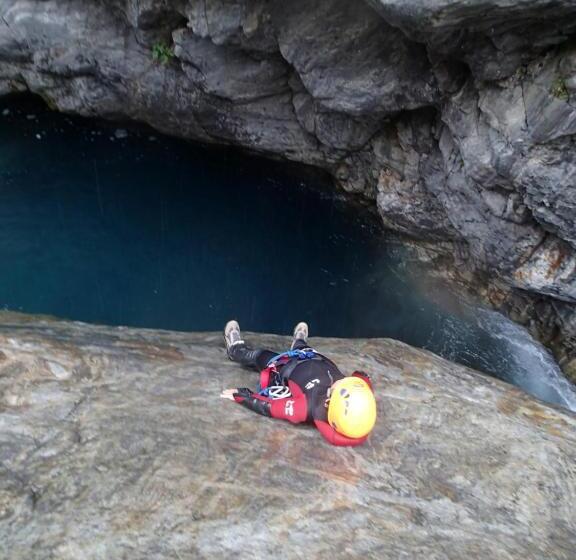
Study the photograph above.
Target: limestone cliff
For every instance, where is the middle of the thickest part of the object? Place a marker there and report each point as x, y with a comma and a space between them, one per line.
115, 444
457, 117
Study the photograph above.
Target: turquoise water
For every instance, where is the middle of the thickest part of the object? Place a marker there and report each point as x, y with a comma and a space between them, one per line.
126, 227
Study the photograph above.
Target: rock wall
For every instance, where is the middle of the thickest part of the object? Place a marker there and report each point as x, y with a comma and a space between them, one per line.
457, 117
114, 443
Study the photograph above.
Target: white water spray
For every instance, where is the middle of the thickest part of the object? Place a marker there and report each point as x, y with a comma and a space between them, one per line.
530, 365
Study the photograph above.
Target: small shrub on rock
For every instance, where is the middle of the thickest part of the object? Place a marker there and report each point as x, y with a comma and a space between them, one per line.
559, 89
162, 53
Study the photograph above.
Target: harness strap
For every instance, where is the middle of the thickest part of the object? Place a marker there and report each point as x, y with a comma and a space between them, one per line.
307, 354
288, 361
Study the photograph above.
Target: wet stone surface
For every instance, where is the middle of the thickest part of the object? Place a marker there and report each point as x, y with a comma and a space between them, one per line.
114, 444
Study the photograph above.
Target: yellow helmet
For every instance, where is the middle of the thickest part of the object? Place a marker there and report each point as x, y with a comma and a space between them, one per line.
352, 407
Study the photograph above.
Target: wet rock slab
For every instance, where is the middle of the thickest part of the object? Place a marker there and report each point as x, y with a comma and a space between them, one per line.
115, 444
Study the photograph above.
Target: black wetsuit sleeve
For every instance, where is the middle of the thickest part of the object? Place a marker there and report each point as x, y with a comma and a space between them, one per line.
253, 401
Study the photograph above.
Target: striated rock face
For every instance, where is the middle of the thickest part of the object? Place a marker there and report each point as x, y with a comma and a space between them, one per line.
493, 37
457, 117
114, 443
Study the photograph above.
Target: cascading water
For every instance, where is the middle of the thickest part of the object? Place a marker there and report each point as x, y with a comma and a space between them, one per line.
529, 363
130, 228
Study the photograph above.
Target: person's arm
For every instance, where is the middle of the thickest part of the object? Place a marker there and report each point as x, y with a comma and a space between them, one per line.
335, 438
293, 408
253, 401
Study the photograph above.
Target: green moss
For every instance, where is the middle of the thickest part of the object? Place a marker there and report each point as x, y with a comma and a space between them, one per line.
521, 72
162, 53
559, 89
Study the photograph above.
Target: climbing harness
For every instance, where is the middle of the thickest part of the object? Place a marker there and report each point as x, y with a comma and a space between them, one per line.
278, 389
307, 354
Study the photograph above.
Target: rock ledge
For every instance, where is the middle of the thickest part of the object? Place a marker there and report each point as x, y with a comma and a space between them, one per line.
114, 444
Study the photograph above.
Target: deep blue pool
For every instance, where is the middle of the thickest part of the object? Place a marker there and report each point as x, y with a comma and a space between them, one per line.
127, 227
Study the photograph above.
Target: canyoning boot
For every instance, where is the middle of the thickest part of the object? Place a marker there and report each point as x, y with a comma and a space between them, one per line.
232, 336
300, 334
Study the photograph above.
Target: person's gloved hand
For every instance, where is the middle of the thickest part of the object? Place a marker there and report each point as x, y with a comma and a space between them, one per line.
230, 394
243, 393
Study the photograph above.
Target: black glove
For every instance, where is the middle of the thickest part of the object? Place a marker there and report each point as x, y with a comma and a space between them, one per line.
246, 398
243, 392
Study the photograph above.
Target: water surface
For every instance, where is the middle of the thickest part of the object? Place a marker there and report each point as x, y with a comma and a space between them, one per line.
127, 227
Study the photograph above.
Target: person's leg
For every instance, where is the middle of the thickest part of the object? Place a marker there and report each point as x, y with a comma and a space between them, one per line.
300, 344
239, 352
300, 337
257, 358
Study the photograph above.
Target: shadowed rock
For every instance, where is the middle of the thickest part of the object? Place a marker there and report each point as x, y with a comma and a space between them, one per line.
114, 443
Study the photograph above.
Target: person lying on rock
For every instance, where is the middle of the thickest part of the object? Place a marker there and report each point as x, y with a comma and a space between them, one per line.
301, 385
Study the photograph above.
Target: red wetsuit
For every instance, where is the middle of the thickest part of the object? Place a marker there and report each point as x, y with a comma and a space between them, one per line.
308, 381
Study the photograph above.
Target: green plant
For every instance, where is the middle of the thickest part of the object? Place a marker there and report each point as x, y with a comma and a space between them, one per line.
559, 89
162, 53
522, 72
